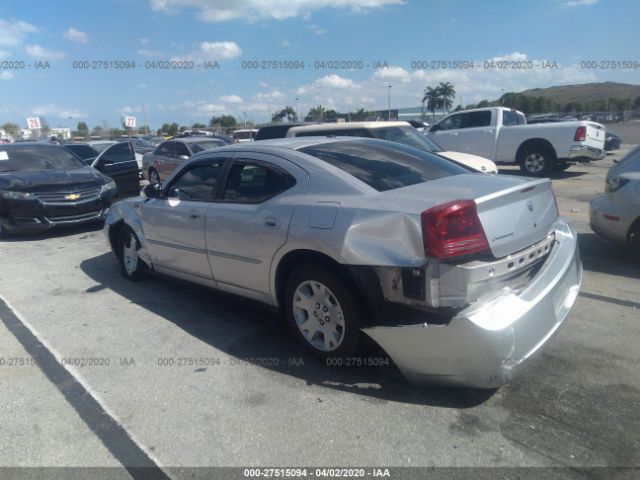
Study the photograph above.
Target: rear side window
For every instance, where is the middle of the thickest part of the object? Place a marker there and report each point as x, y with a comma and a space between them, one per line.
181, 149
476, 119
384, 166
255, 183
510, 118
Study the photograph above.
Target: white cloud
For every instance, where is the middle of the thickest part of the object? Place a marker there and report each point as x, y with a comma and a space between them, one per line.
254, 10
41, 53
60, 112
285, 43
334, 81
6, 75
316, 29
230, 99
263, 84
274, 95
129, 110
76, 36
579, 3
143, 40
13, 33
392, 74
151, 53
142, 85
220, 50
212, 51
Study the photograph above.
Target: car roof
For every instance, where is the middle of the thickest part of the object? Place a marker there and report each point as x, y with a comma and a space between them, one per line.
194, 139
349, 126
29, 144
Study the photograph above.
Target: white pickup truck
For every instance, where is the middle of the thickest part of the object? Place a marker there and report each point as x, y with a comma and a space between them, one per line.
502, 135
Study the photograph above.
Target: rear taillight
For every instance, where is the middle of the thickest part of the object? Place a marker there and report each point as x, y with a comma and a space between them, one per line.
453, 229
581, 134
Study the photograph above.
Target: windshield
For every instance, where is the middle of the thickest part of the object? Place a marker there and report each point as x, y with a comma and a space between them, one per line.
407, 135
30, 158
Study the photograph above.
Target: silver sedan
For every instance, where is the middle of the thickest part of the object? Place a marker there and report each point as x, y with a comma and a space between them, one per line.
461, 278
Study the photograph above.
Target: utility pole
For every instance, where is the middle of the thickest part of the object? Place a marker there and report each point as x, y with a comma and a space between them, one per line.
297, 117
389, 102
144, 119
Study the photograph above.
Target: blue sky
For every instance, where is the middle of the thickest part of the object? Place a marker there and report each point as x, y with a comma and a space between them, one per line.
234, 31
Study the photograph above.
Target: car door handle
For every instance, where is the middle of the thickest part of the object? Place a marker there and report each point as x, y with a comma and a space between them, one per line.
271, 222
194, 215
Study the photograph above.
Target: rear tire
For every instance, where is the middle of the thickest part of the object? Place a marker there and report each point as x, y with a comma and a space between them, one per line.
128, 245
633, 240
536, 160
154, 176
323, 312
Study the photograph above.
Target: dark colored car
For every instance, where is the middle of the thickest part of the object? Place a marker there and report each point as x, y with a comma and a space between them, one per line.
278, 130
83, 151
118, 161
44, 186
611, 141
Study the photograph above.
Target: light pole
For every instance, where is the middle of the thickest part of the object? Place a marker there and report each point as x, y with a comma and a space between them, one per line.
389, 102
245, 119
297, 118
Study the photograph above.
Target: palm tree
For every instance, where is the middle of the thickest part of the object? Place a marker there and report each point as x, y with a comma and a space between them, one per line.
360, 115
432, 98
315, 114
447, 94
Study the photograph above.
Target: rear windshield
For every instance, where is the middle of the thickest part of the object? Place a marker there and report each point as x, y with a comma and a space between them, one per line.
384, 166
29, 158
408, 136
205, 145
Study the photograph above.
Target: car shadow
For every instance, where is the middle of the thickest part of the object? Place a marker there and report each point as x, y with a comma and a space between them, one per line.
57, 232
600, 255
252, 332
553, 176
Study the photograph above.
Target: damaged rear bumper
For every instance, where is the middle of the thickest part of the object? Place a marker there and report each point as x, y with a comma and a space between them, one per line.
489, 342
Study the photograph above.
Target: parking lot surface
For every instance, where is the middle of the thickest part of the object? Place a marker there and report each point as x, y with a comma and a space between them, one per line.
195, 378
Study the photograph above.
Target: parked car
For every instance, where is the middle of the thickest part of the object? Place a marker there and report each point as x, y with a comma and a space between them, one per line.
502, 135
244, 135
168, 155
44, 186
461, 277
615, 215
83, 151
119, 162
277, 130
400, 132
611, 141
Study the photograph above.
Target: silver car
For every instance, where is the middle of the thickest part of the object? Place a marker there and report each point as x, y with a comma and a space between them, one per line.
461, 278
615, 215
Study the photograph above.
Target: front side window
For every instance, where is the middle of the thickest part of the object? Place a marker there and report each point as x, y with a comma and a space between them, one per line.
384, 166
255, 183
165, 149
197, 183
451, 123
181, 149
121, 152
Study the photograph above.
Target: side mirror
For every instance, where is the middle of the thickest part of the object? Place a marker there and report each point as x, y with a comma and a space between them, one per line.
153, 190
435, 128
183, 157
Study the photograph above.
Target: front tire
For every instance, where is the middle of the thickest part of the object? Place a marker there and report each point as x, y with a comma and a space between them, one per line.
536, 160
323, 311
131, 267
633, 240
